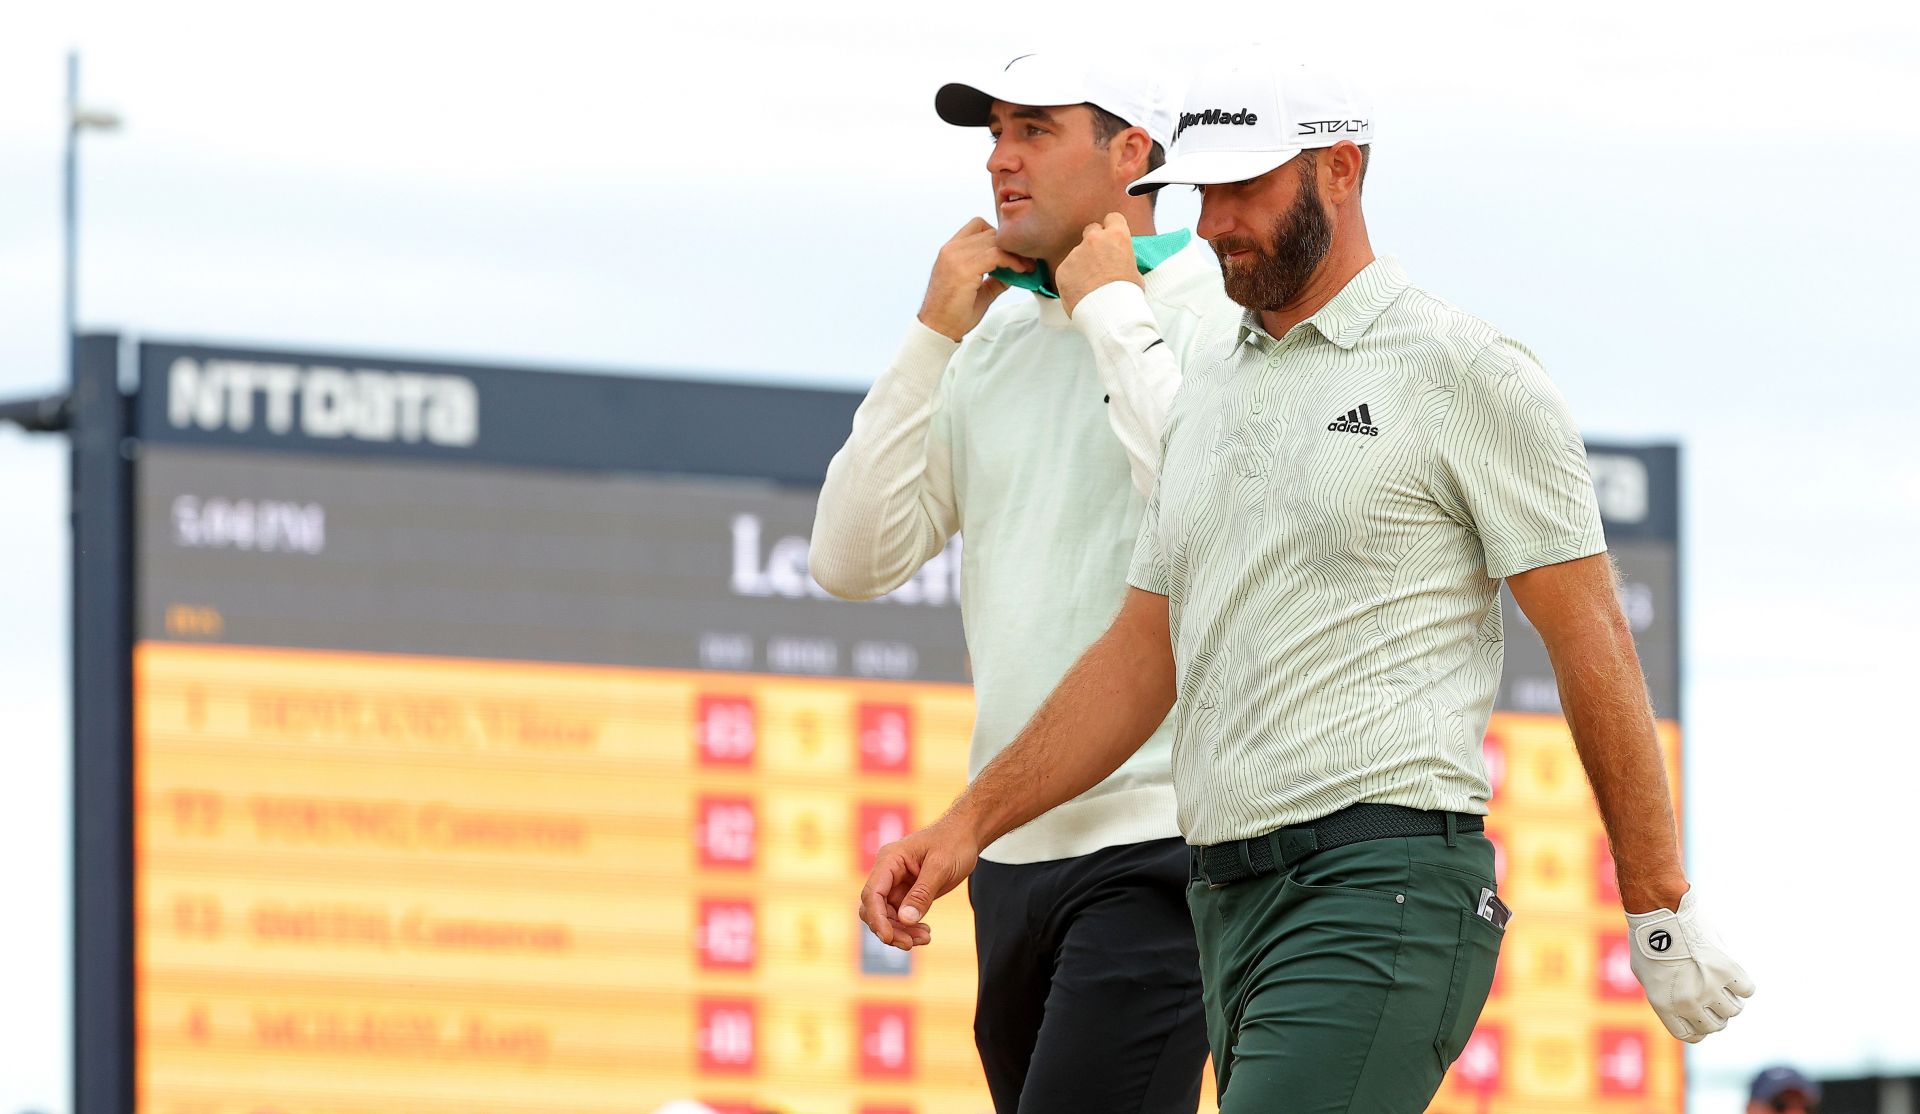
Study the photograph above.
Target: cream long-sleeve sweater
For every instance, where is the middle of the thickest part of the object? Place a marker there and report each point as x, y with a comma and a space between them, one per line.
1037, 439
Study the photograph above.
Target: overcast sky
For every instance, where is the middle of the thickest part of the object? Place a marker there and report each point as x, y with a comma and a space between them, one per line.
1701, 218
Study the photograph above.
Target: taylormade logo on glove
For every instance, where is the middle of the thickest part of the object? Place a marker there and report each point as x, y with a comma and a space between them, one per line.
1692, 983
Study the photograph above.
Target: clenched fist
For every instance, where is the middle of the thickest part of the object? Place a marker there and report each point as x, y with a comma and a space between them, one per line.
1104, 255
959, 292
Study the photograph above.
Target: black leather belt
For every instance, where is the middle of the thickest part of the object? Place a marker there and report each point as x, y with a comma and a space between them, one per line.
1223, 864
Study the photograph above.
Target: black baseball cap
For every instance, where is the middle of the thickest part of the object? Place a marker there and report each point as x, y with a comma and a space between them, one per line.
1778, 1080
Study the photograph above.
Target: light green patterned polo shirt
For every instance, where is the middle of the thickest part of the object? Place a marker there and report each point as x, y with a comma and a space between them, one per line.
1334, 511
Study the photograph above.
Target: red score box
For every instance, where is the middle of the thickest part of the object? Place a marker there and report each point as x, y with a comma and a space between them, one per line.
1481, 1066
885, 1036
725, 731
726, 1035
885, 738
726, 832
875, 825
1615, 968
1621, 1062
726, 937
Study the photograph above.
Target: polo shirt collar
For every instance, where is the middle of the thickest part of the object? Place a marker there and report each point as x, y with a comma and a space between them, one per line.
1348, 316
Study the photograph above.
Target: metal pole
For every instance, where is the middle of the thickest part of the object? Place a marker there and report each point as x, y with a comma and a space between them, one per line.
102, 661
71, 217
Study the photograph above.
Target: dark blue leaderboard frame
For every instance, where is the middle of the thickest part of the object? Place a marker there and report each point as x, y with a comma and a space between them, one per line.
330, 404
102, 510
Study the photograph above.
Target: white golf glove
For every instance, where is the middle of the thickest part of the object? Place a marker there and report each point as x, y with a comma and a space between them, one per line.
1691, 981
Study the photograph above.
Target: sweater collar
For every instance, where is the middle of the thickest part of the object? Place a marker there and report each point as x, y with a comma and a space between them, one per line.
1148, 252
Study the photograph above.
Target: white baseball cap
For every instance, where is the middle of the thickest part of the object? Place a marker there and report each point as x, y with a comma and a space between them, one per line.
1251, 115
1137, 94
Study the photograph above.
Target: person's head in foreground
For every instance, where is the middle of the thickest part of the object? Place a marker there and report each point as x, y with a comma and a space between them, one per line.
1783, 1090
1278, 153
1068, 135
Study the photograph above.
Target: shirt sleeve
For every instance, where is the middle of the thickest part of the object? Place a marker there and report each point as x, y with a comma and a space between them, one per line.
1148, 569
1138, 367
888, 502
1511, 466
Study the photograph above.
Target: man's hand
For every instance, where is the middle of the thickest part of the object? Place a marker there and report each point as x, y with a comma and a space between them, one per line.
909, 875
1104, 255
1098, 715
1691, 981
959, 292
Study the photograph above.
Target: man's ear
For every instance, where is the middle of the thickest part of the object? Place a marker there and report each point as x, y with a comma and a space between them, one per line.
1131, 149
1340, 167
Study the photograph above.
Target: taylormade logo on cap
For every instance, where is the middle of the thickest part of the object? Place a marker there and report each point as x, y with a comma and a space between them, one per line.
1214, 116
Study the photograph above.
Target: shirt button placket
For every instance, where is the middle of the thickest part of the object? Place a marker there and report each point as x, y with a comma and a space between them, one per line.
1246, 400
1273, 365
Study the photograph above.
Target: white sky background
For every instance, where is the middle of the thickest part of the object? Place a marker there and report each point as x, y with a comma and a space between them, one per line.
1701, 216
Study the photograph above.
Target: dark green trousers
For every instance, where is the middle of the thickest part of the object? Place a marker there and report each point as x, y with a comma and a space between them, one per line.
1349, 981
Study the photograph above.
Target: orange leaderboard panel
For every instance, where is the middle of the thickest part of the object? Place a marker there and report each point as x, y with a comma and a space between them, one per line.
377, 882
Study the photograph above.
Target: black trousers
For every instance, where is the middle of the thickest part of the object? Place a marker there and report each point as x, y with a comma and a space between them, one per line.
1089, 983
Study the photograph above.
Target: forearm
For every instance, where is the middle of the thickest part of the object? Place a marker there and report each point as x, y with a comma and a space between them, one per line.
1694, 986
1108, 704
1605, 699
887, 503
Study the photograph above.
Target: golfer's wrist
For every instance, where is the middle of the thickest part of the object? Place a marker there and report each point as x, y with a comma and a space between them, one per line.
970, 821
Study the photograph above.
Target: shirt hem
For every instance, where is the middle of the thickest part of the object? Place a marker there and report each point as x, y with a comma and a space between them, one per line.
1088, 824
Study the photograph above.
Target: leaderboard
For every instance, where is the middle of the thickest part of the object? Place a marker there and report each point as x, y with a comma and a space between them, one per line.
488, 763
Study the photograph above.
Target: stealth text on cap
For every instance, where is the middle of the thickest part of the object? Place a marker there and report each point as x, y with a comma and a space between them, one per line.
1215, 116
1332, 127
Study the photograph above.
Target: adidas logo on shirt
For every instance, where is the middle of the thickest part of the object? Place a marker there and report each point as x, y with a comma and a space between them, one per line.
1357, 420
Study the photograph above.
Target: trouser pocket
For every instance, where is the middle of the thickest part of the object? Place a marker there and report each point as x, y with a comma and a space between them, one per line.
1474, 959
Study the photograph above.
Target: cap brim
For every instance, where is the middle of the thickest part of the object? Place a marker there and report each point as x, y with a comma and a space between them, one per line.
963, 105
971, 105
1211, 168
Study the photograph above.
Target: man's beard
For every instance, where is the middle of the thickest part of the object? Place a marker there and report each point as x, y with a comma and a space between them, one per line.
1302, 236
